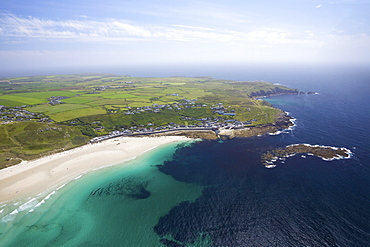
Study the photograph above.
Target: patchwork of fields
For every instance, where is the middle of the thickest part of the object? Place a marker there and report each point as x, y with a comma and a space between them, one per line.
90, 95
95, 94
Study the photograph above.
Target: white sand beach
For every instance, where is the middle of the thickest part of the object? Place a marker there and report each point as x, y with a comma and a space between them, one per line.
36, 176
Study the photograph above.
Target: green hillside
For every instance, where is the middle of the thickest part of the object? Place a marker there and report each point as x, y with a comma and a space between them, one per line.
29, 140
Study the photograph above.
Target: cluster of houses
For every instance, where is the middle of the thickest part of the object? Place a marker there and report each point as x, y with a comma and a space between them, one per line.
18, 113
56, 100
102, 88
215, 123
158, 107
219, 109
186, 103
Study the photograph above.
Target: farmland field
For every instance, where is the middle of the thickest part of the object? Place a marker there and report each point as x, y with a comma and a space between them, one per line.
81, 100
116, 95
76, 113
50, 109
22, 100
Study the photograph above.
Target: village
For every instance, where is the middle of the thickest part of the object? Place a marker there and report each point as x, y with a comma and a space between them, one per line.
216, 124
19, 114
220, 121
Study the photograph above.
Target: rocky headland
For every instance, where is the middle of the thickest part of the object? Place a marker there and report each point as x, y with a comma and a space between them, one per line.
327, 153
282, 122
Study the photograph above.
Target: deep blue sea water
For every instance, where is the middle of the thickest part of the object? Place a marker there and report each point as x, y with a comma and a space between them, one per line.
214, 193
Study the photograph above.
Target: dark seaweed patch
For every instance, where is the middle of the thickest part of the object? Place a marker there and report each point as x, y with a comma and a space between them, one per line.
129, 187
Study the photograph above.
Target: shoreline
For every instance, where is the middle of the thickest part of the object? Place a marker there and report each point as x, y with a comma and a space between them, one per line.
41, 175
44, 174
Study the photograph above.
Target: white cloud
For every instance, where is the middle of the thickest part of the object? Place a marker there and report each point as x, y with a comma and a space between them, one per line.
150, 42
199, 28
113, 30
35, 28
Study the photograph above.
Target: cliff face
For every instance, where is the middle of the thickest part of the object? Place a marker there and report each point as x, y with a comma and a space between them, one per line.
274, 91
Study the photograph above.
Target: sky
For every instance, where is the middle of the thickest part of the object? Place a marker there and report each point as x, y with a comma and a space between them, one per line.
47, 34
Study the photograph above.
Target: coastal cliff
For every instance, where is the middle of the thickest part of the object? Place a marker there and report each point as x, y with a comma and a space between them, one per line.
274, 91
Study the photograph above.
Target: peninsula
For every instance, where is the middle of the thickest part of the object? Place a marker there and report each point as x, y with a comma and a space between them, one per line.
42, 115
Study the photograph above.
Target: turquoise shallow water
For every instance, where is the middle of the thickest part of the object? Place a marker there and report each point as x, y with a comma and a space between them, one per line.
115, 206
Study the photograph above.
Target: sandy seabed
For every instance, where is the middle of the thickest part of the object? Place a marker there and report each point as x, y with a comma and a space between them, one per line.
36, 176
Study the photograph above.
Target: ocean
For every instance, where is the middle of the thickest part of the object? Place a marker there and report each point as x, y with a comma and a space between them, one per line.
218, 193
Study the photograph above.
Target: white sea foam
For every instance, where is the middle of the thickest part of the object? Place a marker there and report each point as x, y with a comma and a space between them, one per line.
37, 205
10, 216
292, 120
61, 186
270, 166
48, 196
275, 133
271, 163
43, 201
30, 204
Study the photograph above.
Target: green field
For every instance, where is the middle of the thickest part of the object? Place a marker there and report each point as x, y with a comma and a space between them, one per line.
21, 100
117, 95
81, 100
50, 109
71, 114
